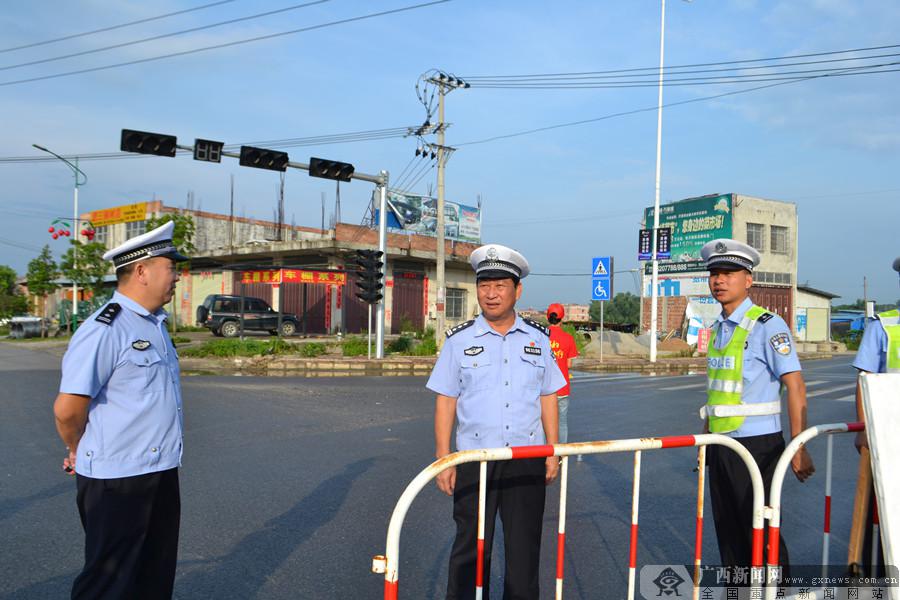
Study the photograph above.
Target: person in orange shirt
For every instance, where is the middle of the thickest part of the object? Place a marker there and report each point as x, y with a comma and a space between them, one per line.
564, 350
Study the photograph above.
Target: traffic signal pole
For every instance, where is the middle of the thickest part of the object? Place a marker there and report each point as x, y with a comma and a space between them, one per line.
381, 181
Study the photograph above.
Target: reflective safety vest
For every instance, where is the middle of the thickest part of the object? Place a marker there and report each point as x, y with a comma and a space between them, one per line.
725, 369
890, 322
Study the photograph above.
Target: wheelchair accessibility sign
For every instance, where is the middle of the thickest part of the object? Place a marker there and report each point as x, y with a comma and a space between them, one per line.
601, 278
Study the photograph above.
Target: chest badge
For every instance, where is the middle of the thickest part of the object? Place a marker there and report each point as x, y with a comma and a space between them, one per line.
536, 350
140, 345
473, 351
781, 343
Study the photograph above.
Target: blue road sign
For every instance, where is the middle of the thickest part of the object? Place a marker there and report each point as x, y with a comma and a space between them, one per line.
601, 278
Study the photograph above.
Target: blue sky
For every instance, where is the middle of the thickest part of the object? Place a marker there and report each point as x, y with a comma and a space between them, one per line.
560, 196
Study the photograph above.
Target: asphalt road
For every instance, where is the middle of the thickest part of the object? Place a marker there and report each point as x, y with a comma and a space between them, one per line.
288, 484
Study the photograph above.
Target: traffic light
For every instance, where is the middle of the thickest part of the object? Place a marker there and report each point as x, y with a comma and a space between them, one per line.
330, 169
262, 158
144, 142
369, 275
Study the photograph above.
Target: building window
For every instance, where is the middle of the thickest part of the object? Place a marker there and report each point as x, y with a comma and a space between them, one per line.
102, 234
456, 304
134, 228
779, 239
756, 234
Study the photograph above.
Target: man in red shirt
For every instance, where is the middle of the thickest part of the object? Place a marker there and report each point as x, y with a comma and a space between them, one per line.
564, 349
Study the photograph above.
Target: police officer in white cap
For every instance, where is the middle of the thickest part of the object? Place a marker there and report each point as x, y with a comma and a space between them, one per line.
751, 355
497, 378
879, 352
119, 413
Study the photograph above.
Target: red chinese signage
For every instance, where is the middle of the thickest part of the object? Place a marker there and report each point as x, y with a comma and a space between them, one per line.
277, 276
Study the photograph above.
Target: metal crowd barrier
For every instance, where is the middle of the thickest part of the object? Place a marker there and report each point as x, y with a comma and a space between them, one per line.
774, 509
388, 563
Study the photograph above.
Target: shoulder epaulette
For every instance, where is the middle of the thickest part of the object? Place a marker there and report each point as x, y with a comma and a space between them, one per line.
109, 313
765, 317
540, 327
454, 330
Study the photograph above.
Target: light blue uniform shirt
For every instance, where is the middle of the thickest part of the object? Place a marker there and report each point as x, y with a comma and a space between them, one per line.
872, 353
498, 381
768, 355
130, 370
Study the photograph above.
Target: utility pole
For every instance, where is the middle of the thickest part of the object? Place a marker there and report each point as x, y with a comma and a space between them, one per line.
445, 84
654, 293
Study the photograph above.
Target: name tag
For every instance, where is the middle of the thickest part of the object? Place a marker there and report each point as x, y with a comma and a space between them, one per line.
720, 362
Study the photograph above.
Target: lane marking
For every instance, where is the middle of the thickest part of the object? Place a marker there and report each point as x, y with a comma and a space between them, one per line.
842, 388
682, 387
850, 398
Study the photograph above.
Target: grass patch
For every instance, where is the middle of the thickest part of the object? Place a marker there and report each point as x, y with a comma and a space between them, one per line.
355, 346
236, 347
179, 339
313, 349
191, 328
427, 347
401, 345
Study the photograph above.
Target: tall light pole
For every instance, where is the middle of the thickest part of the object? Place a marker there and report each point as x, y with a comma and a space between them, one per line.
655, 278
76, 172
445, 83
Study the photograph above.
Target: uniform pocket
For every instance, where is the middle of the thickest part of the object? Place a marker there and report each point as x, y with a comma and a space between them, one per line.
534, 370
475, 373
150, 371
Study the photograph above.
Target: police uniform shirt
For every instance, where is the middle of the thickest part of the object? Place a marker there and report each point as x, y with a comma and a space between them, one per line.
497, 381
769, 353
872, 354
127, 364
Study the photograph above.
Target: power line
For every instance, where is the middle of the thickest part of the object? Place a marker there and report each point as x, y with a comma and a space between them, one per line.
163, 36
473, 78
338, 138
693, 81
227, 44
20, 246
113, 27
653, 108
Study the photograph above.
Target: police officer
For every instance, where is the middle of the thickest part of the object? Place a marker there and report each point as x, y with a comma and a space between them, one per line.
879, 352
751, 355
119, 413
496, 377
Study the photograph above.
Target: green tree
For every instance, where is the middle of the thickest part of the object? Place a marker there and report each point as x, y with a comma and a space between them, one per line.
42, 271
624, 308
89, 269
183, 234
11, 302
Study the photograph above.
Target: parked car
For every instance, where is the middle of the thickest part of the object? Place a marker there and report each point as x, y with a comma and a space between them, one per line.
221, 314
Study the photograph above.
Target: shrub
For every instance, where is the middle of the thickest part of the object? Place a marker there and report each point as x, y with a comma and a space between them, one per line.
355, 346
427, 347
233, 347
402, 345
313, 349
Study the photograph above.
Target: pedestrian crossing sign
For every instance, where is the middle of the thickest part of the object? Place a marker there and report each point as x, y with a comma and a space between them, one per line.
600, 270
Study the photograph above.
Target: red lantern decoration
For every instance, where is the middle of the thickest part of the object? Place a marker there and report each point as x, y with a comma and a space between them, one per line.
55, 235
51, 230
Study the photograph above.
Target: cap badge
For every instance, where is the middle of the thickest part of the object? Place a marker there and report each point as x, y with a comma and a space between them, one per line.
492, 253
720, 247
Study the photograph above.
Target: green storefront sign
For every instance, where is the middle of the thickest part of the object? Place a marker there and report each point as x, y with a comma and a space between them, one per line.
694, 222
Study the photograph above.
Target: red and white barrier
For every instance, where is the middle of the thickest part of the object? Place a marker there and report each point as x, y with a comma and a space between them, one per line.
774, 508
388, 563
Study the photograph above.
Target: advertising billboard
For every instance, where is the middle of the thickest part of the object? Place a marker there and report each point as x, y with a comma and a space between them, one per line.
694, 222
126, 213
418, 214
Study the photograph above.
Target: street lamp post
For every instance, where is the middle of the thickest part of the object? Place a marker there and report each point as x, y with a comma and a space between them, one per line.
655, 275
76, 172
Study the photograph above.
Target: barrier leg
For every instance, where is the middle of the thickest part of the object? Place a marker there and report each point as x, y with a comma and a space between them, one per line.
876, 538
635, 496
482, 496
561, 534
826, 530
698, 534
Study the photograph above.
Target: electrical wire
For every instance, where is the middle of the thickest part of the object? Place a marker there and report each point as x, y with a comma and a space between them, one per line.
113, 27
473, 78
227, 44
28, 247
414, 175
416, 181
163, 36
652, 108
339, 138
